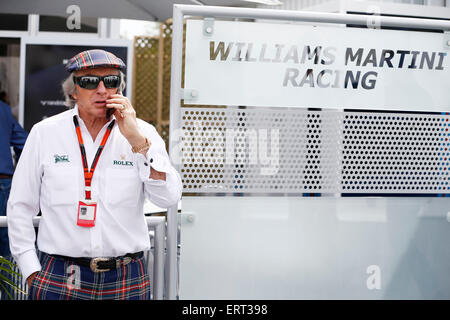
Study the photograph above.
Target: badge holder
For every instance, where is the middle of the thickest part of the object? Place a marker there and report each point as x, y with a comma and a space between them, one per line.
87, 212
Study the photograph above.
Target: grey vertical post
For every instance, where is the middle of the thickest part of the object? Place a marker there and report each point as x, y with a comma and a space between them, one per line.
158, 267
150, 260
175, 100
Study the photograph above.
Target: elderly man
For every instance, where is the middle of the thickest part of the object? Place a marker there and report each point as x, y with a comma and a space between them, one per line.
88, 170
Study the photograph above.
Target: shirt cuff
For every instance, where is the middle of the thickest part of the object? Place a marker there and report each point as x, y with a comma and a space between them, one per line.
28, 263
145, 163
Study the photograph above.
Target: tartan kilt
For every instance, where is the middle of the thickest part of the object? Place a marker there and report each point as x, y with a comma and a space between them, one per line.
61, 279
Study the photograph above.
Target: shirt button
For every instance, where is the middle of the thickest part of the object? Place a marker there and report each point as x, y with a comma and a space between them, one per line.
151, 160
145, 164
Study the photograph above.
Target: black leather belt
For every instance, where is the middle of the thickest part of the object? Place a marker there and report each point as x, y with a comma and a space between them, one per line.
102, 264
5, 176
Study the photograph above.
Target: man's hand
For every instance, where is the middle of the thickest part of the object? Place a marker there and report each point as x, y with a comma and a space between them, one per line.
126, 120
125, 117
31, 277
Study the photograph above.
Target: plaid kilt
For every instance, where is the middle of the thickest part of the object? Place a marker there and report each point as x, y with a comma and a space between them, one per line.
61, 279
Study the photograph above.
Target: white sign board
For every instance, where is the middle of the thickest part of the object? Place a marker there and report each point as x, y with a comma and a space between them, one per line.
285, 65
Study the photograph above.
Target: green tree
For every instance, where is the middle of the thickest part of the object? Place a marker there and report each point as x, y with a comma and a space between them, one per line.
10, 281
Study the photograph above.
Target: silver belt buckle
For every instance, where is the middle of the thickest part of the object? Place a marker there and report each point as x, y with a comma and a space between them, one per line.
94, 262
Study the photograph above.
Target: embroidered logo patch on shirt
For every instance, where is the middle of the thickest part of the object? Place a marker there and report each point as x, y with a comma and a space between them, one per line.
122, 163
61, 158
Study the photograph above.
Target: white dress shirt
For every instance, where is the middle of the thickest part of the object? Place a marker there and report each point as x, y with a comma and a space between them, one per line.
49, 178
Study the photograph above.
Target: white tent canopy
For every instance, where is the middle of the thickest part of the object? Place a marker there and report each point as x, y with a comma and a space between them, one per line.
153, 10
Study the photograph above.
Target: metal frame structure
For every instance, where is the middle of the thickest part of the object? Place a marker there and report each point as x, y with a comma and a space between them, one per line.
157, 225
177, 92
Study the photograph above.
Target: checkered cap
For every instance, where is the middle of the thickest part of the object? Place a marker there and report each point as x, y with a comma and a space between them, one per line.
94, 59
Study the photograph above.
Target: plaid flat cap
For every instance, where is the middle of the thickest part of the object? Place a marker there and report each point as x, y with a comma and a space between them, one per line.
94, 59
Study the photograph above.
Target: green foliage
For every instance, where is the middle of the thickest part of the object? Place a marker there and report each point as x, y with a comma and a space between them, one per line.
5, 282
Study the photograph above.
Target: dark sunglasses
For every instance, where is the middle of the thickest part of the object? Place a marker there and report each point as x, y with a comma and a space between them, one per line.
92, 82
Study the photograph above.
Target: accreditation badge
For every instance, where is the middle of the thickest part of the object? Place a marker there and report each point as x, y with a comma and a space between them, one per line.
87, 211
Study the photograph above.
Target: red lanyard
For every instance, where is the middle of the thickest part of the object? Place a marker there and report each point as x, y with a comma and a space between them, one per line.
89, 173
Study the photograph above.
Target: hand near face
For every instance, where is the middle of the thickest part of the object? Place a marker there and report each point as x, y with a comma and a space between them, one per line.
126, 118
